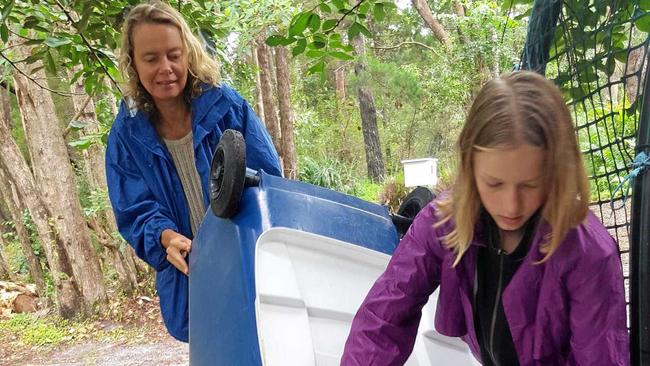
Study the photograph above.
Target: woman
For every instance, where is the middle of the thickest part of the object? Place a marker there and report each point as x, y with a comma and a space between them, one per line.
160, 146
527, 275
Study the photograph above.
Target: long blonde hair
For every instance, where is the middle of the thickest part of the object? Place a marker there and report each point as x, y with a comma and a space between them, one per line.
519, 108
202, 68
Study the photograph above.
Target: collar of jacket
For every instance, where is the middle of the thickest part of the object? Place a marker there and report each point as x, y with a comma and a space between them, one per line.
142, 130
542, 228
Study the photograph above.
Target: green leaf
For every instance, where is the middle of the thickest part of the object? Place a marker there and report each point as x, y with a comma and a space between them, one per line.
365, 30
325, 8
357, 28
300, 47
319, 44
4, 32
644, 4
50, 65
378, 12
314, 22
81, 144
631, 111
41, 28
318, 67
77, 125
506, 5
85, 16
329, 24
363, 8
315, 53
524, 15
30, 22
56, 42
34, 57
340, 4
299, 23
276, 40
353, 31
33, 42
341, 56
6, 11
643, 23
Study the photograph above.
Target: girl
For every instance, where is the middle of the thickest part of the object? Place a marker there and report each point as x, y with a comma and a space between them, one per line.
527, 274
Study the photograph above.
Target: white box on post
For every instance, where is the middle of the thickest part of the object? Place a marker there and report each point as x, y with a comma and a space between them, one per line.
420, 172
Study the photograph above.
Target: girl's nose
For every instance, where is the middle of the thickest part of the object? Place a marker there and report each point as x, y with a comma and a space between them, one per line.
512, 202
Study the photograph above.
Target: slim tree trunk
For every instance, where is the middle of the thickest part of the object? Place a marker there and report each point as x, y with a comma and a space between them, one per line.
636, 61
339, 77
270, 115
66, 292
286, 114
425, 12
374, 159
56, 182
9, 195
5, 272
259, 103
94, 162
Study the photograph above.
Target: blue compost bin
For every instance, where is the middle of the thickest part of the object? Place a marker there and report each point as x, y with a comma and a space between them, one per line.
222, 321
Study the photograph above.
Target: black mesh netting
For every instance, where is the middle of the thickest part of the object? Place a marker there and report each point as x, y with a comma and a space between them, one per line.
596, 52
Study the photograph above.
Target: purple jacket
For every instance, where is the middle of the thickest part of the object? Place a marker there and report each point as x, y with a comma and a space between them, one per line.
568, 311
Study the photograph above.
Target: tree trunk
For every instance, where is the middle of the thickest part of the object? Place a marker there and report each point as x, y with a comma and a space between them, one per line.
126, 272
425, 12
5, 272
286, 114
339, 77
66, 292
270, 115
16, 207
635, 62
9, 194
259, 104
374, 160
56, 182
94, 163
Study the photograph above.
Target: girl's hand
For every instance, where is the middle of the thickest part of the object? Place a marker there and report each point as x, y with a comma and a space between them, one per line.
177, 247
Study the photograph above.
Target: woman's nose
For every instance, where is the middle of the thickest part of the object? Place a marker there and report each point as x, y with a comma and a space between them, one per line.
166, 66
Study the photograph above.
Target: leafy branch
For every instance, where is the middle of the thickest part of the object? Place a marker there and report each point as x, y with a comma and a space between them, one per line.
21, 72
89, 46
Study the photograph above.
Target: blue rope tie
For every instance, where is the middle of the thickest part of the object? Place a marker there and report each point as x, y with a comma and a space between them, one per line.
640, 163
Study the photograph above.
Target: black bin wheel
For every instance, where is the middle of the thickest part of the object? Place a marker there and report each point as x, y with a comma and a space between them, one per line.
412, 204
227, 174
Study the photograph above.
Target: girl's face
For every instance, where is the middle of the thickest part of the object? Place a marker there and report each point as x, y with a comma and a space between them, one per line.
509, 182
160, 60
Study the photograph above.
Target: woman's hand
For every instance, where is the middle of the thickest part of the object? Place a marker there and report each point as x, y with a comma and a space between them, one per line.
177, 246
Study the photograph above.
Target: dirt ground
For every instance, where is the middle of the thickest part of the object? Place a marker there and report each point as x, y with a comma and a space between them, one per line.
132, 335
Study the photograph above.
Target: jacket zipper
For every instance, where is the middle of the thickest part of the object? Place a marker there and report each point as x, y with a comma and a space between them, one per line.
497, 299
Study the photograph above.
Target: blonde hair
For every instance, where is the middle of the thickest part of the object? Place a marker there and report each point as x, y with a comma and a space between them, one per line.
519, 108
201, 67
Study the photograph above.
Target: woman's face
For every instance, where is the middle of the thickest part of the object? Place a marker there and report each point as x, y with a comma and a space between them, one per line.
510, 183
160, 59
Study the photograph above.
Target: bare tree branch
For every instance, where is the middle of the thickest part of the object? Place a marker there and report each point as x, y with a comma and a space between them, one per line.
406, 43
344, 16
12, 64
76, 116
